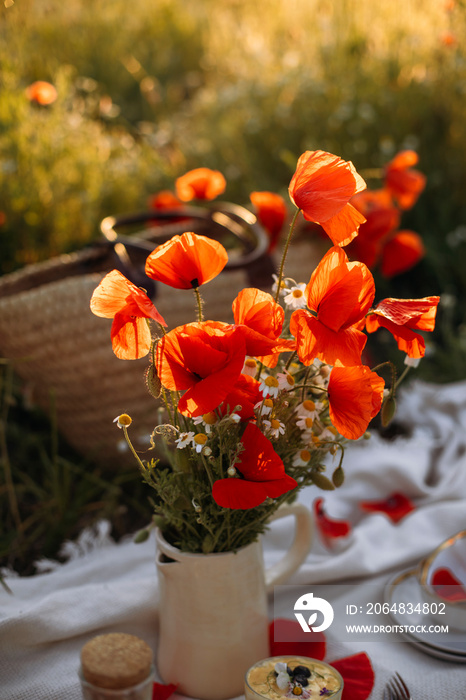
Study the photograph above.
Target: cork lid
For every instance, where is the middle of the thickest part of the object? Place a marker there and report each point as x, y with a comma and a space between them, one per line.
116, 661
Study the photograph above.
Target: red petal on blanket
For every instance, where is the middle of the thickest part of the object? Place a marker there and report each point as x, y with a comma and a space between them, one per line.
162, 692
283, 634
447, 586
396, 506
358, 676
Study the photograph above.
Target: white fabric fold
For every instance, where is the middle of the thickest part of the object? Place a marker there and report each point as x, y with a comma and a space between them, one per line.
109, 587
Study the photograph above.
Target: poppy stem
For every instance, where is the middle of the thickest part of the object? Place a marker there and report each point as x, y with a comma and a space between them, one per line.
290, 360
208, 470
199, 304
130, 445
402, 376
284, 254
310, 386
394, 382
306, 378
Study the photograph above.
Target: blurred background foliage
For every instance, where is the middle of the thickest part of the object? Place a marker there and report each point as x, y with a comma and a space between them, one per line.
148, 90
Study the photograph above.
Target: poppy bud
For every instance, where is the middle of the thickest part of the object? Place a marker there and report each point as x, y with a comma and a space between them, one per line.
153, 382
141, 536
159, 521
338, 477
388, 410
322, 482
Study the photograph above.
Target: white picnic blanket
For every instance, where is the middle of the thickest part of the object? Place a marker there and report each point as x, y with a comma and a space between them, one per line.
109, 587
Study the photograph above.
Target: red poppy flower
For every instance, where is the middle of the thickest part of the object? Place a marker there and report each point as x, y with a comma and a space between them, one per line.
447, 586
396, 506
200, 183
322, 187
329, 528
339, 295
381, 219
356, 670
245, 393
272, 212
403, 182
401, 317
358, 676
118, 298
202, 359
261, 319
262, 471
163, 200
41, 92
355, 396
449, 39
186, 261
160, 691
401, 253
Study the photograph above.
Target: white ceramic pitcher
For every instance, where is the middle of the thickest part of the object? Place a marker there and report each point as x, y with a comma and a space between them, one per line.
213, 622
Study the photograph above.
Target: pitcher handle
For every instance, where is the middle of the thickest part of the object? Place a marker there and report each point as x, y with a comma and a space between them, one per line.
304, 529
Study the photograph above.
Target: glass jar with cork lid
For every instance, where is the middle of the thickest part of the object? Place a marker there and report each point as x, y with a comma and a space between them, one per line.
116, 666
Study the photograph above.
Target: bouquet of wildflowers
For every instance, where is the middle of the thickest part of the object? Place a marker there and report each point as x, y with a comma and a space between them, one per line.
255, 410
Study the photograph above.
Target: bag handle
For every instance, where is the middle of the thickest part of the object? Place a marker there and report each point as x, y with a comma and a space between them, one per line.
224, 221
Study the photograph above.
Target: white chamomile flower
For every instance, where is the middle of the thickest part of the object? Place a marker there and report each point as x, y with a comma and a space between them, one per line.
283, 286
274, 427
235, 417
265, 407
199, 440
123, 420
321, 373
296, 297
207, 420
286, 381
250, 367
327, 435
305, 423
320, 381
184, 440
301, 458
269, 386
309, 409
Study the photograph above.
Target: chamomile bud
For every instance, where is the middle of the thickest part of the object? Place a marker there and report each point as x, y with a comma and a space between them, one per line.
123, 420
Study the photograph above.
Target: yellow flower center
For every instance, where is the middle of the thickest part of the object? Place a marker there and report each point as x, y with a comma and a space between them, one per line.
308, 422
298, 293
290, 380
275, 423
271, 381
209, 418
268, 403
297, 690
309, 405
200, 438
250, 362
125, 420
305, 455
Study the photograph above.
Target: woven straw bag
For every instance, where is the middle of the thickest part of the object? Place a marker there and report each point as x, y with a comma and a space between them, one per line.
63, 352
